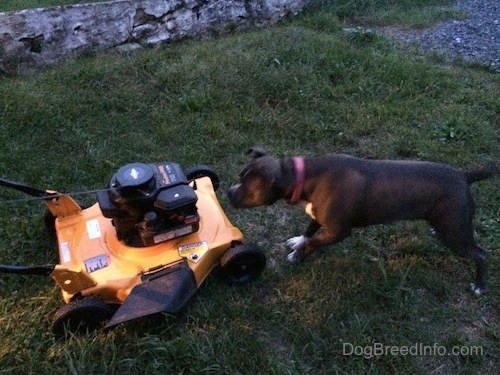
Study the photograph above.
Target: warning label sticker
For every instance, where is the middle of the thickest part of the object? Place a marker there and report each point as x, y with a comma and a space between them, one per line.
93, 229
65, 253
194, 251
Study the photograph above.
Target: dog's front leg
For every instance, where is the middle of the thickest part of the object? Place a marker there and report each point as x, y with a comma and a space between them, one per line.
298, 244
302, 246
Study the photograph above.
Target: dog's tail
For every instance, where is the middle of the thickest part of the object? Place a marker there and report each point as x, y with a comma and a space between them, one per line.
481, 173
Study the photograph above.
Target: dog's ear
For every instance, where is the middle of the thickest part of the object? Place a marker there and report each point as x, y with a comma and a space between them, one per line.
256, 152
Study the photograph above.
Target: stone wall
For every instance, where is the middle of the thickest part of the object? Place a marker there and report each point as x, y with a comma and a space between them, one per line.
35, 38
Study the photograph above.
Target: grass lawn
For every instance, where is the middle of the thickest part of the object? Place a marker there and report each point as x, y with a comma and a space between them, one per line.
12, 5
303, 87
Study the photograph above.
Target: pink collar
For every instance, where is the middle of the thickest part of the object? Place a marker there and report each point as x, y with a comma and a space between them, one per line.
299, 179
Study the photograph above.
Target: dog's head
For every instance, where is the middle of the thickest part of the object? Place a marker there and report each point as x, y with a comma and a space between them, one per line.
258, 181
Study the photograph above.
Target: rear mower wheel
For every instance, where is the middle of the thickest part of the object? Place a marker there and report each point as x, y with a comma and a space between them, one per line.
203, 171
81, 315
242, 264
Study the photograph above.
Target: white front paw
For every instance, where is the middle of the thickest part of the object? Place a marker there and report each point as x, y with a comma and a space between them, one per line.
477, 290
296, 243
293, 257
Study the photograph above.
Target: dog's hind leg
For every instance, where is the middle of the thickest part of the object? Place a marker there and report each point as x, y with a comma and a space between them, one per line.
458, 236
480, 284
473, 252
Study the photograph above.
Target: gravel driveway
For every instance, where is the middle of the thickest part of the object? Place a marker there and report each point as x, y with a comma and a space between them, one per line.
475, 39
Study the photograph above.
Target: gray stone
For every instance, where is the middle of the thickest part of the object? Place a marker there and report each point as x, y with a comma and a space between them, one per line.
35, 38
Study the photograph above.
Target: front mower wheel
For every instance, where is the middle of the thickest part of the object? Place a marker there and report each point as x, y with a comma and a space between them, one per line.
242, 263
81, 315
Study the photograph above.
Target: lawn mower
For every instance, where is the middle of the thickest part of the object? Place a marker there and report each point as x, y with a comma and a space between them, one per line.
145, 247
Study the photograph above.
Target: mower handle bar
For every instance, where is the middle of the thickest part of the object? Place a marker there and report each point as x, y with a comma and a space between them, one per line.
24, 188
23, 270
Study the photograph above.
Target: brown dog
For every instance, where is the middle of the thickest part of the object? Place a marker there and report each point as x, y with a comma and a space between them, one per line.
341, 192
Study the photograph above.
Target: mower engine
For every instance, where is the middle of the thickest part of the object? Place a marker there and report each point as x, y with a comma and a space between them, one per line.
150, 203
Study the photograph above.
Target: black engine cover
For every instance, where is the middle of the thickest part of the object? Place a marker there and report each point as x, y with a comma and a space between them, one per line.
150, 203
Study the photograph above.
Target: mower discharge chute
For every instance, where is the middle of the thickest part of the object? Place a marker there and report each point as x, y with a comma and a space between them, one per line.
144, 248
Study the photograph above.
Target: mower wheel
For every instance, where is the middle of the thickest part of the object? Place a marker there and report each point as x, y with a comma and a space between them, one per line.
203, 171
81, 315
242, 263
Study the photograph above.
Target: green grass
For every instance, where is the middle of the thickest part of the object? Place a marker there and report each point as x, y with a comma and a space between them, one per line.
12, 5
411, 14
303, 87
